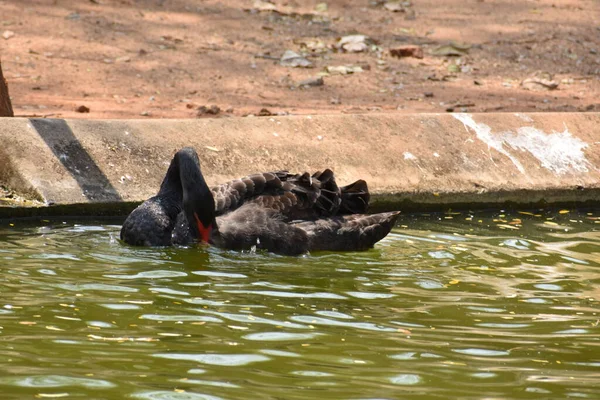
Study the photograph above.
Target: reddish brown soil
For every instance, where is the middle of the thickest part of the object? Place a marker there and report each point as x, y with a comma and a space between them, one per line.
166, 58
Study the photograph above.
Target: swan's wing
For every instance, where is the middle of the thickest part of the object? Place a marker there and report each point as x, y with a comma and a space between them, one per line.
253, 226
348, 232
355, 198
294, 196
231, 195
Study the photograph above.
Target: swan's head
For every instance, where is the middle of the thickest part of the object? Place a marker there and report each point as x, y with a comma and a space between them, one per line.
198, 201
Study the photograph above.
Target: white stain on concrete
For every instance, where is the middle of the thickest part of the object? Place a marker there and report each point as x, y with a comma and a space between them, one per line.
409, 156
558, 152
524, 117
484, 133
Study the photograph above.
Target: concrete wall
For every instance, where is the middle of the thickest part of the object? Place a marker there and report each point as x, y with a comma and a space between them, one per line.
409, 161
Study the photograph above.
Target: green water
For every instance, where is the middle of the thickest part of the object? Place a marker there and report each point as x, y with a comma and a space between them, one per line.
450, 306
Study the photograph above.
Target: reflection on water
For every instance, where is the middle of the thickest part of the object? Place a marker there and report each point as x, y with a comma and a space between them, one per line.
470, 306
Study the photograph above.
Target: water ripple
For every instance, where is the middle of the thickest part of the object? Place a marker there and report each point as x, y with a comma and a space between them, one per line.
307, 319
318, 295
482, 352
54, 381
96, 286
452, 305
215, 274
251, 319
228, 360
166, 395
280, 336
405, 379
155, 274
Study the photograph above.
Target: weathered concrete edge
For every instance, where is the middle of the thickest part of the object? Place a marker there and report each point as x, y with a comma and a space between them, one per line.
424, 162
380, 202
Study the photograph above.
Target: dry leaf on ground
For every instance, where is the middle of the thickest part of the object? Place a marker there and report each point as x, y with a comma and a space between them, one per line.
292, 59
343, 69
541, 80
452, 49
355, 43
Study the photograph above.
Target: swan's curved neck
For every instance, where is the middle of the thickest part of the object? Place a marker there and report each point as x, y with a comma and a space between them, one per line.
184, 182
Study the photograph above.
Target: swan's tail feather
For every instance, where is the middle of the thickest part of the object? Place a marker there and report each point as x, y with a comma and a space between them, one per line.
348, 232
355, 198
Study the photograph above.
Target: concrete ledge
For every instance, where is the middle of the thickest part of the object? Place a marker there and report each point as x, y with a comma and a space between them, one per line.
421, 161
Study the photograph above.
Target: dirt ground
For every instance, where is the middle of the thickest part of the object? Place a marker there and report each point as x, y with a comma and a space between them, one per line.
186, 58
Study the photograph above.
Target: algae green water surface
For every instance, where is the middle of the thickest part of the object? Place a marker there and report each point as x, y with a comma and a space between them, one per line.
449, 306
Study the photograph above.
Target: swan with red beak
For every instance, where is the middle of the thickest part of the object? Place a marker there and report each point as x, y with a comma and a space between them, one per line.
276, 211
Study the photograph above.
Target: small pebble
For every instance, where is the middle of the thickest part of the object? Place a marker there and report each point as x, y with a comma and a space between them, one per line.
8, 34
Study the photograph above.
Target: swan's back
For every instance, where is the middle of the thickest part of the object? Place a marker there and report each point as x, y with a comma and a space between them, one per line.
294, 196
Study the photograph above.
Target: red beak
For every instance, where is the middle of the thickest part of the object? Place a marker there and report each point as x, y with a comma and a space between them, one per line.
203, 230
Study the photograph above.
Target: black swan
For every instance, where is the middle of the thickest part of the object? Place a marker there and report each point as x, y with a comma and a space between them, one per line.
276, 211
